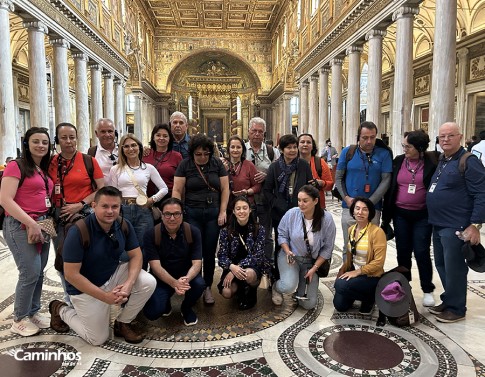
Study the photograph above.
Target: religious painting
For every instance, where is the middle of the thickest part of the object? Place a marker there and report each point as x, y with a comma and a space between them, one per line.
214, 128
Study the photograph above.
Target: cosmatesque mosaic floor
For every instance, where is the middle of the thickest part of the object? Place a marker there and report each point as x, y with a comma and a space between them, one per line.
264, 341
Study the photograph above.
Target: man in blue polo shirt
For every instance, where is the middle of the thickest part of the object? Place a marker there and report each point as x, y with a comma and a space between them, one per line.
367, 173
96, 279
456, 207
175, 261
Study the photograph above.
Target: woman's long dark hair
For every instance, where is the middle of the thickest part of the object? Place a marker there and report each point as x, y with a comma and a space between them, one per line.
252, 223
313, 193
28, 164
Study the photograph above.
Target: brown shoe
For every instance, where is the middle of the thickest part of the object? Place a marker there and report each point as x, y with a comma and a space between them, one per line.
57, 323
127, 331
438, 309
449, 317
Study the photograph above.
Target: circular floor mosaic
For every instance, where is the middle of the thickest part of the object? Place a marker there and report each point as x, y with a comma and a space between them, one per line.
368, 351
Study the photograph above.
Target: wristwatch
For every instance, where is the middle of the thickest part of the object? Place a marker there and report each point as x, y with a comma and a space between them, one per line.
478, 226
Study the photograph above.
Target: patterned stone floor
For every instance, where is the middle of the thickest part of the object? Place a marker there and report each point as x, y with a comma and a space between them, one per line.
263, 341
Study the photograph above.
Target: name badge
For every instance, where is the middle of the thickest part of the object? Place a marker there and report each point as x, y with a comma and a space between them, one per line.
432, 187
47, 202
411, 188
290, 190
411, 317
57, 189
367, 187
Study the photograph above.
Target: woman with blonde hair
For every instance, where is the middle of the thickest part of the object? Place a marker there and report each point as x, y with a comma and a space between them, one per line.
131, 176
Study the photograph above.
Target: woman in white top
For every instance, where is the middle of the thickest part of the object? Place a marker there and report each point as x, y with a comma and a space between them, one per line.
131, 177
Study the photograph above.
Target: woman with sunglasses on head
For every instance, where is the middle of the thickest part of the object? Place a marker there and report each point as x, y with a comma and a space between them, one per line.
405, 204
131, 176
241, 255
162, 157
364, 264
202, 180
322, 176
26, 196
241, 172
307, 237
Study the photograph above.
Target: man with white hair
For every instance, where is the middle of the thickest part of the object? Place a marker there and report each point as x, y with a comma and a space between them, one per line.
106, 151
178, 124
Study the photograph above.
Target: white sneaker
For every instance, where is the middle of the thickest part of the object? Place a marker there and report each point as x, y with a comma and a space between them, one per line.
24, 327
428, 300
42, 322
276, 297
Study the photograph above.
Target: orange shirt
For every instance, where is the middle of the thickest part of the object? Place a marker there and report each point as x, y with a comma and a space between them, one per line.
76, 184
326, 177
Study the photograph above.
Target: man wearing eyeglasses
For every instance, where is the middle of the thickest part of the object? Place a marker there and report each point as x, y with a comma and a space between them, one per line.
456, 208
106, 151
175, 261
178, 126
96, 279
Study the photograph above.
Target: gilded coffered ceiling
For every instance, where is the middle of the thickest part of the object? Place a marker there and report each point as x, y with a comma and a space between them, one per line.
256, 15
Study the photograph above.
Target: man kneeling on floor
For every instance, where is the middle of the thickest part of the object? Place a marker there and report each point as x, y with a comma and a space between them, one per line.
174, 252
97, 279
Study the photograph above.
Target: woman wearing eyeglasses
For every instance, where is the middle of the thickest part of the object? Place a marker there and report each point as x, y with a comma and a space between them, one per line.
202, 180
241, 172
364, 264
162, 157
131, 176
405, 204
241, 255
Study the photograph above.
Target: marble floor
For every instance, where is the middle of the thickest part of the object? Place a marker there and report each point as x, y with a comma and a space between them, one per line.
263, 341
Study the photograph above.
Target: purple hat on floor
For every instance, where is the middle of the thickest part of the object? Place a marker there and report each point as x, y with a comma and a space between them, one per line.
393, 294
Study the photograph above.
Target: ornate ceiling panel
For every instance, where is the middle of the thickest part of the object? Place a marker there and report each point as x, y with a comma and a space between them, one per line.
258, 15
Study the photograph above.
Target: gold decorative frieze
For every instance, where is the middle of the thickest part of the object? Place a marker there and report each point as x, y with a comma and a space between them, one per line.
422, 85
477, 68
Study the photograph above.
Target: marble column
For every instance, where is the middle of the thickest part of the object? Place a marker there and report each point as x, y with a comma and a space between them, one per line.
82, 102
462, 55
137, 116
233, 125
324, 129
96, 97
165, 114
7, 106
39, 109
353, 95
109, 106
374, 77
118, 105
61, 81
286, 114
336, 104
276, 120
403, 76
303, 126
123, 110
442, 101
313, 107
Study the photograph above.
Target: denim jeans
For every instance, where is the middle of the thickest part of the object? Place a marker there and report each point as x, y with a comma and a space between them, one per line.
413, 233
362, 288
159, 302
30, 264
452, 268
142, 219
292, 278
206, 220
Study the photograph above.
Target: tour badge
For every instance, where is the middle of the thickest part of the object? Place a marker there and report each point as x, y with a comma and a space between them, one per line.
367, 187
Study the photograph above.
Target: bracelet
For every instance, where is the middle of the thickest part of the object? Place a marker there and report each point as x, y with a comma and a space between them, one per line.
317, 266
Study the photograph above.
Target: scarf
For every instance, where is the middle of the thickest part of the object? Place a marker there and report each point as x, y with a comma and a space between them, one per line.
284, 177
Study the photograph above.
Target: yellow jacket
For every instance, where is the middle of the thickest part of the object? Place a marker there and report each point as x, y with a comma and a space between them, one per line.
376, 252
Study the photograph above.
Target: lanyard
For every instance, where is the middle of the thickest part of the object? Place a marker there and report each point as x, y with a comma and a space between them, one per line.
441, 166
353, 242
158, 160
63, 168
369, 162
414, 170
235, 169
45, 179
305, 237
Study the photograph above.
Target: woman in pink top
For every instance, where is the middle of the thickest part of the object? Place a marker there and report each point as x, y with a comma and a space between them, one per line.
26, 195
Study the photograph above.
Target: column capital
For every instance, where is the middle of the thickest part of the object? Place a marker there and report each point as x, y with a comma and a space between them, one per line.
405, 11
36, 26
324, 70
60, 42
314, 77
7, 5
462, 53
375, 33
117, 81
107, 75
95, 66
336, 61
80, 56
304, 83
353, 49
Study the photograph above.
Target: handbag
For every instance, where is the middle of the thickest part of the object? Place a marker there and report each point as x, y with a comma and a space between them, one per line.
336, 193
324, 269
48, 226
141, 199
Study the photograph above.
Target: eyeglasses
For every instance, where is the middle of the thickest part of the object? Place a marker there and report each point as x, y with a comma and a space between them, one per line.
128, 146
168, 215
406, 147
200, 154
445, 137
